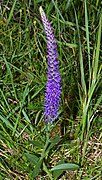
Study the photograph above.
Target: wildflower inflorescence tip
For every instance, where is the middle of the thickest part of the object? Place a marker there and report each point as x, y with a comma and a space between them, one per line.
53, 85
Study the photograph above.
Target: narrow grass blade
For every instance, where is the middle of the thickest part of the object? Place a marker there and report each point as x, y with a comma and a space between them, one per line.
25, 93
88, 42
5, 99
95, 68
7, 123
11, 76
11, 13
58, 10
81, 58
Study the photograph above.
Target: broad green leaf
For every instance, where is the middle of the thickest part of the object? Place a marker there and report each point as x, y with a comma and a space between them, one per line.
53, 143
37, 168
57, 173
36, 143
32, 158
67, 166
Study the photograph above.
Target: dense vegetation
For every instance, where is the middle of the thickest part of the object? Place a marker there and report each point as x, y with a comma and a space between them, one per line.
75, 137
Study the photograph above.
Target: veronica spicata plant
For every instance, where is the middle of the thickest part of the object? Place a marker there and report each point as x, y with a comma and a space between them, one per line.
53, 85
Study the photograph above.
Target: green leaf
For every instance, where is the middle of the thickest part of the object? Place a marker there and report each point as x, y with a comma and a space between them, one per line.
8, 124
53, 143
36, 93
32, 158
47, 171
81, 57
37, 118
67, 166
57, 173
55, 140
98, 49
37, 168
11, 13
36, 143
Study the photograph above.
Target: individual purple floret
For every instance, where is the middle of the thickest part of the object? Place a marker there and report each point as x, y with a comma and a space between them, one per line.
53, 86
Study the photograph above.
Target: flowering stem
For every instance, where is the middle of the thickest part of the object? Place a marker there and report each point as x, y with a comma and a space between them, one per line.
53, 85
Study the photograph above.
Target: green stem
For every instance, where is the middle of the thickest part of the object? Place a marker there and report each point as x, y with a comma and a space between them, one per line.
46, 143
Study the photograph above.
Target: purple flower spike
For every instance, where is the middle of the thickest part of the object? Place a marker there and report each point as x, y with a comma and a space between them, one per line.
53, 86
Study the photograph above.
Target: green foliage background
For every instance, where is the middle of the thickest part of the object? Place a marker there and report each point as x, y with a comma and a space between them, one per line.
77, 27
